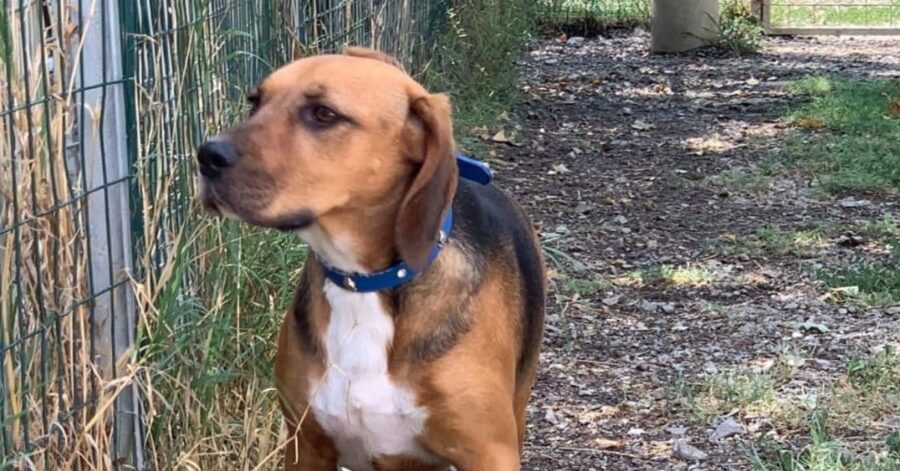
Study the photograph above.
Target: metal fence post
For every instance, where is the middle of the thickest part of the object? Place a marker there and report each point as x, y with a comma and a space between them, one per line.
108, 172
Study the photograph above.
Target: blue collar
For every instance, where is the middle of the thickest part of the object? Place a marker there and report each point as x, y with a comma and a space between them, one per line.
400, 272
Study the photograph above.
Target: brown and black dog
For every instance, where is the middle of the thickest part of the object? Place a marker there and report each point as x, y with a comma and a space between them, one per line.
358, 158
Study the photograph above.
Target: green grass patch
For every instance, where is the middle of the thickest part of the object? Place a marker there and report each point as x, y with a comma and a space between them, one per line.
823, 453
868, 392
880, 371
804, 243
885, 231
870, 283
814, 85
829, 13
722, 393
743, 181
807, 426
852, 130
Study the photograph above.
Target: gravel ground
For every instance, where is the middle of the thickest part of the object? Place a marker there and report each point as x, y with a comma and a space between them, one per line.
619, 157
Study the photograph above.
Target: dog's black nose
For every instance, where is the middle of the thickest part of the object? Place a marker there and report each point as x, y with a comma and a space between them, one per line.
215, 156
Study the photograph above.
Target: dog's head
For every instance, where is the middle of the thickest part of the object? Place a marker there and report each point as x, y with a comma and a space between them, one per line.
336, 145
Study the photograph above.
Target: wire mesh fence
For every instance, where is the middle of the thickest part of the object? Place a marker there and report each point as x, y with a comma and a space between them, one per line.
102, 104
595, 13
834, 13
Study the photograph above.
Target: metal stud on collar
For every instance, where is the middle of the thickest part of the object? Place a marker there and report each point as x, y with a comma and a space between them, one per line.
401, 273
442, 238
349, 283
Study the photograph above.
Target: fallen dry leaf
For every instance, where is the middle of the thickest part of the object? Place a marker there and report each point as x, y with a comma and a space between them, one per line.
555, 275
607, 444
894, 108
500, 137
811, 123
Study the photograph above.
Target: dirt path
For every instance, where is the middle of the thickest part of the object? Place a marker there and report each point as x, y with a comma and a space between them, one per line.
621, 159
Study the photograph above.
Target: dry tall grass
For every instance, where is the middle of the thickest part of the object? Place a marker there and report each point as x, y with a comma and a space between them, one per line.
49, 383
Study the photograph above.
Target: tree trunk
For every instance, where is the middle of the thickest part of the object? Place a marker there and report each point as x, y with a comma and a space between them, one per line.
682, 25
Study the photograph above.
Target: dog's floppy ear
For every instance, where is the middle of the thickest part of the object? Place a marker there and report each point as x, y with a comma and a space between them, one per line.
434, 184
372, 54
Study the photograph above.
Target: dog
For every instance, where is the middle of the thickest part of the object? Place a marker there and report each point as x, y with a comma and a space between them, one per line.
413, 339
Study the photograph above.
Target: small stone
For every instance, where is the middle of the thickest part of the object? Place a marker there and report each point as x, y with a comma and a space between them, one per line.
575, 41
583, 208
710, 368
649, 306
684, 451
677, 430
579, 266
612, 300
850, 240
668, 308
551, 416
791, 306
892, 310
727, 428
551, 61
635, 431
620, 220
851, 202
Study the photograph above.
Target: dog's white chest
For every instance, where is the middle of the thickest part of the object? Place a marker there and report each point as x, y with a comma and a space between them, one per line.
365, 413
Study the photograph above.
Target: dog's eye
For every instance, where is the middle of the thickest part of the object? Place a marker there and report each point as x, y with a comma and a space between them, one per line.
324, 115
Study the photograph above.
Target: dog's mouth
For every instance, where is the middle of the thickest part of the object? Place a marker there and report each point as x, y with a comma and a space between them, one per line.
208, 198
216, 206
295, 222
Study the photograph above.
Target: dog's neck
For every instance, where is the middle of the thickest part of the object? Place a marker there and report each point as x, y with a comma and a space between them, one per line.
367, 248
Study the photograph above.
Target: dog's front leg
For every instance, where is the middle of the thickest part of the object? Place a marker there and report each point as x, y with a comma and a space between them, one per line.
308, 449
497, 457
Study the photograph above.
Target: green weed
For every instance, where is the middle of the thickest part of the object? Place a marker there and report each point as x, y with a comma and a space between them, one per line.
880, 371
475, 59
738, 28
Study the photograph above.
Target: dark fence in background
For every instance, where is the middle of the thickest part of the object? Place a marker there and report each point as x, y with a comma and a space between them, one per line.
593, 15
